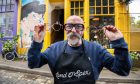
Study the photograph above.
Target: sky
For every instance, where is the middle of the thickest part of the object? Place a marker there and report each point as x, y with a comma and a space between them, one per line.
134, 7
24, 2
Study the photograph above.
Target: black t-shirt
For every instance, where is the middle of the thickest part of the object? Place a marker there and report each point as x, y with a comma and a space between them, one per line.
70, 49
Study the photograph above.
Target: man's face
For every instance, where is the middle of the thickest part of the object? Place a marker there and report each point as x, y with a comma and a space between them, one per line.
74, 29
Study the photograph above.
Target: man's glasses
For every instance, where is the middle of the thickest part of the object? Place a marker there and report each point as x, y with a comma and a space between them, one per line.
78, 27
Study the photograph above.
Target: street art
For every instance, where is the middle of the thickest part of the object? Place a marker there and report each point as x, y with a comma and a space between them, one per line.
31, 14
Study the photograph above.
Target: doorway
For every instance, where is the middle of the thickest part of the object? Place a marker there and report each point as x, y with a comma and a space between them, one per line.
57, 22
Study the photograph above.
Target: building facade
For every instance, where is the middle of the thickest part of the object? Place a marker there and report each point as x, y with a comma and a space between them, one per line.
96, 13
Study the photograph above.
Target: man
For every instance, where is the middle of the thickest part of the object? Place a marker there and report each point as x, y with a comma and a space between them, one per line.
77, 61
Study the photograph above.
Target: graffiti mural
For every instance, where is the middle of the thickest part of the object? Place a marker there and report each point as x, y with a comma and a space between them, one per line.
32, 13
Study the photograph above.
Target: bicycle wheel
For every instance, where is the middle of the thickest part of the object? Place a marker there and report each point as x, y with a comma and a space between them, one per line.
9, 56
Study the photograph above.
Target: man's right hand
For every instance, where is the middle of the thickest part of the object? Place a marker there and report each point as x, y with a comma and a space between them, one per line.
39, 33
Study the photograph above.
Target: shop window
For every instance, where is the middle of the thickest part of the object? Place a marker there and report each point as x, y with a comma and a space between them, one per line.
6, 20
101, 14
77, 8
102, 7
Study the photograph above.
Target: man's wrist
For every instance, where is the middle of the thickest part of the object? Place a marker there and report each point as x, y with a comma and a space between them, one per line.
37, 45
119, 43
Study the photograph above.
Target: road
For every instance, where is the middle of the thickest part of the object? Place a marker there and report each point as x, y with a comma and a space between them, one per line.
11, 77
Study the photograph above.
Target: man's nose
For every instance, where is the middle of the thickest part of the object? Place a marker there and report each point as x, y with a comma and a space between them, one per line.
73, 29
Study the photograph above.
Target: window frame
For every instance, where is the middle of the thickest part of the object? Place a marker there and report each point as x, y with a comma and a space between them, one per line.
93, 14
79, 8
7, 26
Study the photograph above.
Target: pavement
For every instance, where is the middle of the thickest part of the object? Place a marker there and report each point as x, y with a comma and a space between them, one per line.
14, 77
106, 77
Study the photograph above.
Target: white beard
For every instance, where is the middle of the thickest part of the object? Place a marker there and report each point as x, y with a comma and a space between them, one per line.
75, 41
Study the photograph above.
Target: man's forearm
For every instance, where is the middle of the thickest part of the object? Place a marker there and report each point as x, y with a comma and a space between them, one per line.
34, 55
122, 62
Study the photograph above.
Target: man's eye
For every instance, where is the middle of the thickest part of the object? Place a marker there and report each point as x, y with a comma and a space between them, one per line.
80, 26
68, 27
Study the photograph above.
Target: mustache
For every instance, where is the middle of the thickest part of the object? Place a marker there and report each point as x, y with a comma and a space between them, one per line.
75, 41
74, 34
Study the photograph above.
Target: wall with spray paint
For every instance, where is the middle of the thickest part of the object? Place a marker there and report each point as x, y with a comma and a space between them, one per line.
32, 13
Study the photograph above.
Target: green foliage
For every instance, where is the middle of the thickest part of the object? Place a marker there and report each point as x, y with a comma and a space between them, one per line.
126, 1
135, 55
1, 35
138, 24
10, 44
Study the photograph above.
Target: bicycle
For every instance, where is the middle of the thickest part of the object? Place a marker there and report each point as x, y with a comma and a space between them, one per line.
12, 55
9, 49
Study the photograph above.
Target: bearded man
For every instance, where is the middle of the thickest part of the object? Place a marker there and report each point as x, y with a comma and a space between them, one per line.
77, 61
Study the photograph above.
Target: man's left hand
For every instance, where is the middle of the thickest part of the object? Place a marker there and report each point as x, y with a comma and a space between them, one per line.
112, 33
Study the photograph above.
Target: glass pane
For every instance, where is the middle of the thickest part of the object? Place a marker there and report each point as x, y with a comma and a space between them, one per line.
91, 2
11, 20
0, 29
111, 2
12, 1
0, 8
81, 12
72, 11
81, 4
8, 32
105, 10
8, 8
76, 3
98, 10
8, 1
92, 10
6, 24
4, 2
13, 6
0, 2
72, 4
2, 18
98, 2
3, 8
108, 20
111, 10
111, 21
76, 11
105, 2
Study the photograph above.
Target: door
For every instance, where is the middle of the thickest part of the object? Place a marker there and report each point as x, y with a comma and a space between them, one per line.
57, 22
